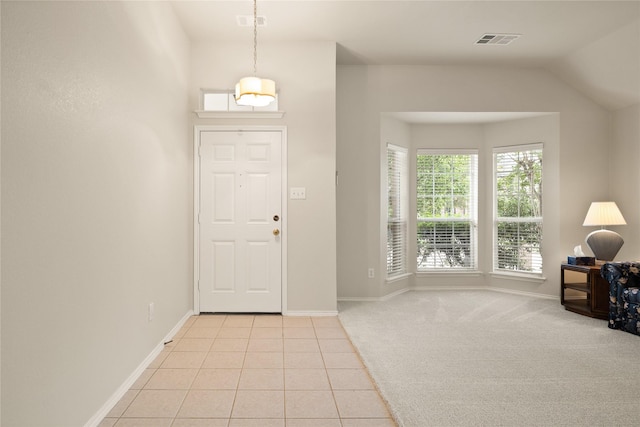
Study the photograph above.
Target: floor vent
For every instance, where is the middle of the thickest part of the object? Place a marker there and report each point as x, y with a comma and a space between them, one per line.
501, 39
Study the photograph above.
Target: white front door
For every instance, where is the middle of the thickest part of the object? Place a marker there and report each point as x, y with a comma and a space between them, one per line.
240, 221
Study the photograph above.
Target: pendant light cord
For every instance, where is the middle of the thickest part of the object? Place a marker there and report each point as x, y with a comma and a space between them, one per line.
255, 37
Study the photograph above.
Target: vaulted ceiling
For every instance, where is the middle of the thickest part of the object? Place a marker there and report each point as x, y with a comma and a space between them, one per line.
592, 45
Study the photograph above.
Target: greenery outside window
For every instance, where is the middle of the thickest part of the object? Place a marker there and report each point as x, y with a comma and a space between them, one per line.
397, 210
446, 202
518, 209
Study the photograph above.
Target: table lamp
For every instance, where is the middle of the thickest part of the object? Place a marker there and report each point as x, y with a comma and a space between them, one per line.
604, 243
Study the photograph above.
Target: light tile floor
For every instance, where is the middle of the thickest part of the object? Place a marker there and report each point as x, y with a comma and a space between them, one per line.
262, 370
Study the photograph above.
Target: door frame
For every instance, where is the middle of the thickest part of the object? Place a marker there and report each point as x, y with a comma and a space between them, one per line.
197, 129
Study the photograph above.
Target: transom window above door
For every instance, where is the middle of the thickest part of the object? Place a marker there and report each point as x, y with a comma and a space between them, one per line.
223, 100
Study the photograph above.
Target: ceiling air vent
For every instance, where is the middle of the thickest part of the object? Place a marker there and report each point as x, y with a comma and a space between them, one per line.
247, 20
501, 39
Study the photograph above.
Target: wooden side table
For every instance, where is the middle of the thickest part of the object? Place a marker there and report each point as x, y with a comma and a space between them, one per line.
595, 287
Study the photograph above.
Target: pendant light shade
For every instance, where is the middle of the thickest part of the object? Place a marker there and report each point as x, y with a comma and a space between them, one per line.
255, 91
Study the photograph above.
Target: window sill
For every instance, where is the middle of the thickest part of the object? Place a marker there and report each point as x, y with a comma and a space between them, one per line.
520, 277
397, 278
239, 114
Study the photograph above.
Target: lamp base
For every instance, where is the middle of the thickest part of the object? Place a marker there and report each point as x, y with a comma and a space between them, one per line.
604, 244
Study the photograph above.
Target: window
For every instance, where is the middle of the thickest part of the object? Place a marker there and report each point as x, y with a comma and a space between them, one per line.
224, 100
397, 210
518, 209
446, 201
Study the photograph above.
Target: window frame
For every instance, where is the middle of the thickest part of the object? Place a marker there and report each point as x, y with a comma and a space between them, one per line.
226, 103
397, 264
538, 146
472, 204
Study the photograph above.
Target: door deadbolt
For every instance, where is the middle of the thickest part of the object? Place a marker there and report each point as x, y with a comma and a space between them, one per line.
276, 218
276, 232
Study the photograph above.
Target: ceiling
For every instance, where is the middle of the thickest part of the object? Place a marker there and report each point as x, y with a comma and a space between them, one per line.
592, 45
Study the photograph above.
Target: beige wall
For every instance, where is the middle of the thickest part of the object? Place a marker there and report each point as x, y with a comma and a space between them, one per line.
305, 76
0, 221
585, 67
97, 182
97, 196
365, 92
624, 177
358, 239
96, 200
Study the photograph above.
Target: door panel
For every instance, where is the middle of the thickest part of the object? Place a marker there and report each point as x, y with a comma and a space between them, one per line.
240, 194
258, 258
257, 199
224, 198
222, 266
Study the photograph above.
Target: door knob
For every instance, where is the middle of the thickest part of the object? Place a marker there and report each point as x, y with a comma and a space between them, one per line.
276, 231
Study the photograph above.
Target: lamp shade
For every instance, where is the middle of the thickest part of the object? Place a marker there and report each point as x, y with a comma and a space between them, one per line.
605, 244
603, 213
255, 91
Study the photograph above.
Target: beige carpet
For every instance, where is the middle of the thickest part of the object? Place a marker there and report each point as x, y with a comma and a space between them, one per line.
483, 358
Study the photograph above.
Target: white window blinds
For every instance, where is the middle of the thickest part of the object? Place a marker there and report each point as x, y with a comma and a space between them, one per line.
518, 209
446, 201
397, 210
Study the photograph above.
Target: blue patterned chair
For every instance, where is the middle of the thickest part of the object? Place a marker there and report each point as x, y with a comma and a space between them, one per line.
624, 295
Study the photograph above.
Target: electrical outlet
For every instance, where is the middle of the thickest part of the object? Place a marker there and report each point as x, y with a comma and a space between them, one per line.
152, 311
371, 273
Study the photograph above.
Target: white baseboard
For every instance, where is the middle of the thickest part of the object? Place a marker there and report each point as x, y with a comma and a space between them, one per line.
394, 294
449, 288
486, 288
117, 395
376, 299
360, 299
293, 313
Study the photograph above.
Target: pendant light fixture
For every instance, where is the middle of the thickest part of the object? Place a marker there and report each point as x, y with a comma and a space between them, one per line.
253, 90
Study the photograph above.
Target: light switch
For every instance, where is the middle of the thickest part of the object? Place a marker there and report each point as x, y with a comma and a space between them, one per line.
298, 193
